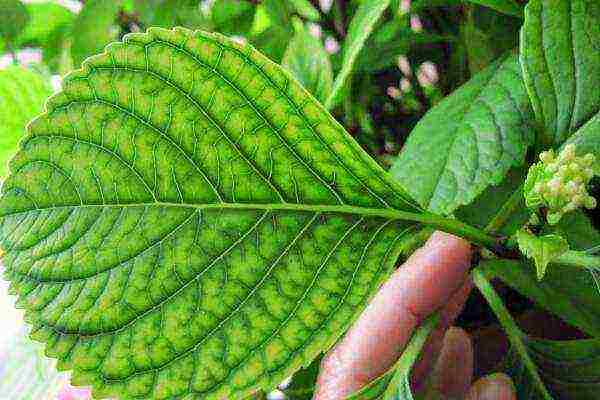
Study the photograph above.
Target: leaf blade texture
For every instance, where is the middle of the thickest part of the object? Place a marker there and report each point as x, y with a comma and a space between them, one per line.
560, 56
186, 221
469, 141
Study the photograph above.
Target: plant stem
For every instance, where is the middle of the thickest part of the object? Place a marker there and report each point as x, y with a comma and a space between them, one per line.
508, 209
463, 230
578, 259
409, 357
515, 335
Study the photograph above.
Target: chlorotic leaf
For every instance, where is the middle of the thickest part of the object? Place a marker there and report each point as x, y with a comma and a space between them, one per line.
560, 55
309, 63
469, 141
542, 249
364, 21
22, 95
185, 221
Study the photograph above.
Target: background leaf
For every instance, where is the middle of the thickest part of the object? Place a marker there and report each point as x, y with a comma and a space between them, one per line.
368, 14
225, 264
569, 368
22, 94
308, 62
233, 17
560, 54
13, 19
468, 141
94, 28
566, 292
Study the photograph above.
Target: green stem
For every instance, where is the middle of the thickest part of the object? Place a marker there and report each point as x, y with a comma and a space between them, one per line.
409, 357
514, 202
515, 335
578, 259
448, 225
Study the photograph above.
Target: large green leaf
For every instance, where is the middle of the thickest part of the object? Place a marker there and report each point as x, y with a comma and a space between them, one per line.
468, 141
233, 17
185, 221
560, 54
94, 28
22, 95
571, 369
509, 7
364, 21
309, 63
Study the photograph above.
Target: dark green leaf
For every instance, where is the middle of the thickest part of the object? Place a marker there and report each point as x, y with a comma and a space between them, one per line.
570, 369
94, 28
560, 54
509, 7
233, 17
587, 140
569, 293
13, 19
469, 141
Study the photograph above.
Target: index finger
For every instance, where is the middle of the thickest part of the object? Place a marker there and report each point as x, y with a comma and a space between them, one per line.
423, 284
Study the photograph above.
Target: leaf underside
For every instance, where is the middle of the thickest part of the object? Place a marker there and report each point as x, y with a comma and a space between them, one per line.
186, 222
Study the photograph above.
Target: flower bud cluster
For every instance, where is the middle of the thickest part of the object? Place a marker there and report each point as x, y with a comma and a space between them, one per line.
559, 182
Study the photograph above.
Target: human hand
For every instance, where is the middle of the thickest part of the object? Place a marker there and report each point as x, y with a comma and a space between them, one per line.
434, 277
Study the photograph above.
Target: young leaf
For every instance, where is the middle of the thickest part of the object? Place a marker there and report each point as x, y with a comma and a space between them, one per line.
94, 28
542, 249
366, 17
468, 141
186, 221
22, 95
560, 54
569, 368
308, 62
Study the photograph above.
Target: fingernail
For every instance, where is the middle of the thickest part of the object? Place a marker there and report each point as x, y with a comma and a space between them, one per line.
493, 387
456, 355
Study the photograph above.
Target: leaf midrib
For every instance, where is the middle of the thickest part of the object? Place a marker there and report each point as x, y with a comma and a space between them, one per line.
387, 213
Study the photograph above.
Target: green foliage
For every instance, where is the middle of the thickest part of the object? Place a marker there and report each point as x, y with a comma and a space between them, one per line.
569, 293
273, 265
13, 19
309, 63
569, 368
94, 28
560, 55
468, 141
542, 249
186, 221
363, 23
22, 94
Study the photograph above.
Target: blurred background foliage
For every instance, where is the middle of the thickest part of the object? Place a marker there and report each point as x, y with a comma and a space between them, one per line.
418, 52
